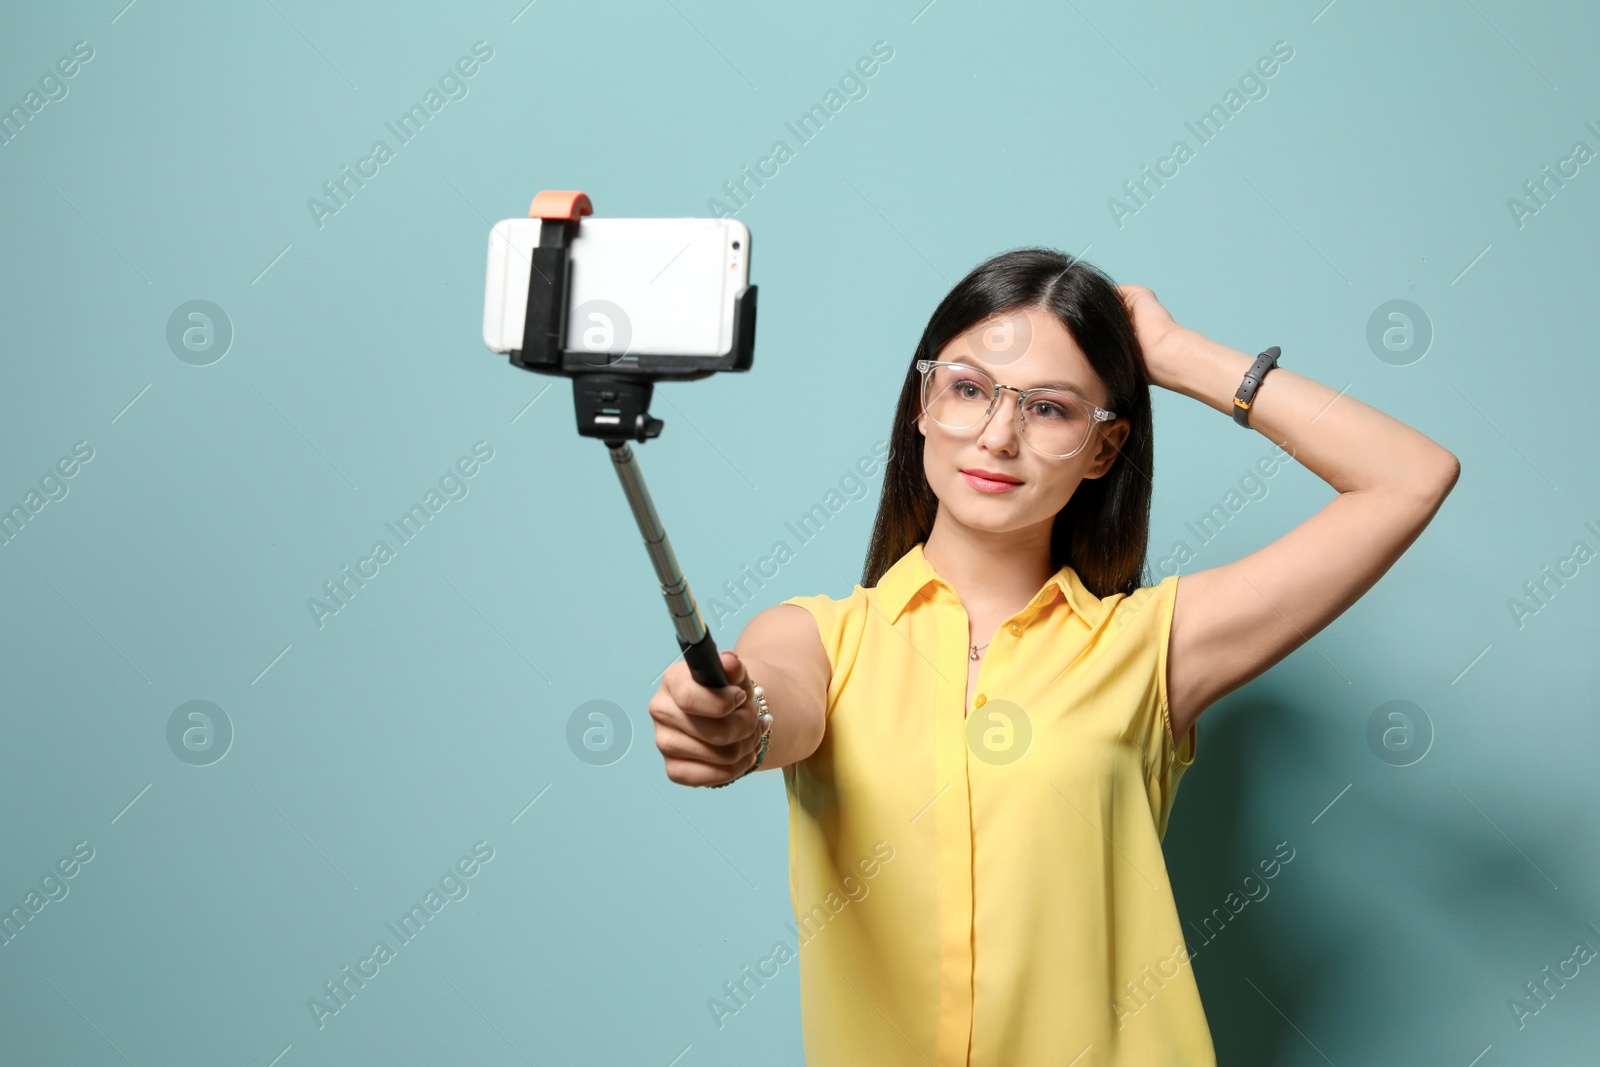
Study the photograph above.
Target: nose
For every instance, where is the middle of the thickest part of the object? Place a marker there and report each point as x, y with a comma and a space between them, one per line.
1001, 430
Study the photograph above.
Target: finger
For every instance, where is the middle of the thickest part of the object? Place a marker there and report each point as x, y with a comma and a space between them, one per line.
677, 745
711, 729
734, 729
694, 773
738, 675
697, 699
733, 667
738, 678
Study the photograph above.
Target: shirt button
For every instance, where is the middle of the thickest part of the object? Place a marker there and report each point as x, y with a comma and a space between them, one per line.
981, 701
1016, 628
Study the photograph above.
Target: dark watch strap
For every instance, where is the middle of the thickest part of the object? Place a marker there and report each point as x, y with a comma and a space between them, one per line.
1252, 380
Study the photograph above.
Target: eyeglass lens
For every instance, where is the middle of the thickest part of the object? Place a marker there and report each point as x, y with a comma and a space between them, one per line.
1053, 422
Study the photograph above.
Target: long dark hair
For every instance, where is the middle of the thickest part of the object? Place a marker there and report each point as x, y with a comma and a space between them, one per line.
1104, 530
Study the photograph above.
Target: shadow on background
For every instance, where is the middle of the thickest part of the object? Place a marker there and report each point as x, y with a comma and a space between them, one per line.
1399, 885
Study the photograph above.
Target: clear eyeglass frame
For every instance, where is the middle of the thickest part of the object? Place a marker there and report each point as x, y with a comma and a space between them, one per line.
1100, 414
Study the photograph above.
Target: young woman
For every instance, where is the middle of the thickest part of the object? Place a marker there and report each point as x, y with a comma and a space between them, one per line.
981, 744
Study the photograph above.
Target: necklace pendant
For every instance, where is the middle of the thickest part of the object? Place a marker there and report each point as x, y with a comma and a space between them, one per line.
974, 651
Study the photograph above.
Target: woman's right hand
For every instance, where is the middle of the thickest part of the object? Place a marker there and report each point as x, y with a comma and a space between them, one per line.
707, 736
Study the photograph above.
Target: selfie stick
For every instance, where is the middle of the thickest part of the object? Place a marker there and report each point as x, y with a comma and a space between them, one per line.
611, 395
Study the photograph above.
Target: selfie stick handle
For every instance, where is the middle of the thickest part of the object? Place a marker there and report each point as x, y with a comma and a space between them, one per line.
699, 650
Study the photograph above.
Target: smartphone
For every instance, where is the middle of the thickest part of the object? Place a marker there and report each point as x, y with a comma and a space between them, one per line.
661, 287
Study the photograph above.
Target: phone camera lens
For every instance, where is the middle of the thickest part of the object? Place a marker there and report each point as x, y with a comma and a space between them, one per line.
736, 245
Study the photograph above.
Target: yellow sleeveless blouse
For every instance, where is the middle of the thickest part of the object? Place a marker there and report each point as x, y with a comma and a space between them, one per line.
988, 889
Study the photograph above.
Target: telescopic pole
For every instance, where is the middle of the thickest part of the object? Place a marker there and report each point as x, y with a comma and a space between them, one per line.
699, 650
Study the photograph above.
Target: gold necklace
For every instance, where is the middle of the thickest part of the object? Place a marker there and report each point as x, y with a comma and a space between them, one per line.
976, 649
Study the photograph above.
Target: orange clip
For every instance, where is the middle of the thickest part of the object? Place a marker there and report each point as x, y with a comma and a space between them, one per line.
560, 204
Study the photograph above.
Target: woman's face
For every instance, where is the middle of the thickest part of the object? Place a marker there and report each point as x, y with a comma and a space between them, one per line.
1022, 347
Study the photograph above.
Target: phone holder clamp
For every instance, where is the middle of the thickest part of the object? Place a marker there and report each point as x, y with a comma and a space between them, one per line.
611, 393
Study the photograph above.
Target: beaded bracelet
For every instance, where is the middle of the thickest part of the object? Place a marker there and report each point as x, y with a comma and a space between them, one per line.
764, 719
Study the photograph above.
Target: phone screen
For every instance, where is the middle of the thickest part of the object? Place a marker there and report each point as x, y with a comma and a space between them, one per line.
657, 286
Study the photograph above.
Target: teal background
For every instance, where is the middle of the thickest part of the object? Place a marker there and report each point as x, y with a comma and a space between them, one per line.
371, 754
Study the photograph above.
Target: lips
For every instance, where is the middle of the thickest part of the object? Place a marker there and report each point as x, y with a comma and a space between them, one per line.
989, 481
990, 476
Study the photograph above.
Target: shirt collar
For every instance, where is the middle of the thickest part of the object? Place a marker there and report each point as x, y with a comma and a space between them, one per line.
912, 574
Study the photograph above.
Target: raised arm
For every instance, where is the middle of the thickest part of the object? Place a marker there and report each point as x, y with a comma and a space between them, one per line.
1232, 622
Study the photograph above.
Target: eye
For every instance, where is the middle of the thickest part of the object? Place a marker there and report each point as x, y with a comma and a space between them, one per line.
967, 389
1057, 409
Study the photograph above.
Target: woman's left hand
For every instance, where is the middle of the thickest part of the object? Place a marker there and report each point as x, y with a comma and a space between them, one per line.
1160, 337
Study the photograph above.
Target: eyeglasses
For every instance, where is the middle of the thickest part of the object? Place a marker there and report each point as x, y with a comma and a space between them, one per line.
1055, 423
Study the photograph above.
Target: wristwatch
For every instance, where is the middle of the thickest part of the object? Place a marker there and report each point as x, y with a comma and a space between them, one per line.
1252, 380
